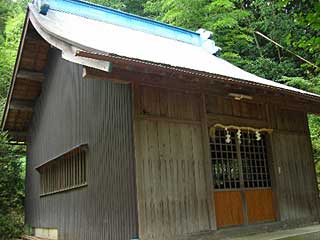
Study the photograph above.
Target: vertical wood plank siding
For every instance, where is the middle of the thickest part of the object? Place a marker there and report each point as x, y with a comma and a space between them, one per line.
290, 153
173, 185
171, 176
71, 111
229, 107
298, 198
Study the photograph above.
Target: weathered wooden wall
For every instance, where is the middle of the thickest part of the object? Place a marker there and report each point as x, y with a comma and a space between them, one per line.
172, 162
174, 193
225, 110
296, 196
242, 205
69, 112
294, 170
171, 159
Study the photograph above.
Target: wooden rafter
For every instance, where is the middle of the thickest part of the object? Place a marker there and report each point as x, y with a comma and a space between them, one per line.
124, 74
31, 76
167, 70
22, 105
19, 134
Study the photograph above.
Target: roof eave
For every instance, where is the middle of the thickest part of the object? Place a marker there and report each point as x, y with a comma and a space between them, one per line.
113, 57
15, 69
97, 58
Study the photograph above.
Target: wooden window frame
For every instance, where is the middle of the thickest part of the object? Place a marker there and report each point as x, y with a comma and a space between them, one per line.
65, 172
236, 151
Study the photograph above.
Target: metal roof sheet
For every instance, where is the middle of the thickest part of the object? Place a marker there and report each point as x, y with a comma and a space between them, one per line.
116, 17
95, 35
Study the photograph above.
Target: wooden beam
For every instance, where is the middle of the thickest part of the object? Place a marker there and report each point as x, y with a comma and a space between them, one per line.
31, 76
202, 77
33, 35
102, 65
26, 237
83, 147
114, 76
122, 74
229, 120
207, 161
19, 134
22, 105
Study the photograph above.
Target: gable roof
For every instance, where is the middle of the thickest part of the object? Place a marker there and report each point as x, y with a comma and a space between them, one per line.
77, 27
99, 29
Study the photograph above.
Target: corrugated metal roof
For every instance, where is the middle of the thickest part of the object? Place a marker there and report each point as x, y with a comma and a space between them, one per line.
109, 38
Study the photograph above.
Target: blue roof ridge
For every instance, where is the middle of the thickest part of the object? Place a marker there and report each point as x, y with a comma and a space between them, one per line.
116, 11
128, 20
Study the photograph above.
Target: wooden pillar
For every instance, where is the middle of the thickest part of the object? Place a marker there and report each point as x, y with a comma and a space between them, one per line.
136, 135
137, 154
273, 166
314, 172
207, 164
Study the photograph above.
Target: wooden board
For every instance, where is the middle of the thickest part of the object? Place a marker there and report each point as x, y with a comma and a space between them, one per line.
178, 105
295, 174
227, 106
260, 205
293, 166
170, 164
291, 121
172, 196
229, 210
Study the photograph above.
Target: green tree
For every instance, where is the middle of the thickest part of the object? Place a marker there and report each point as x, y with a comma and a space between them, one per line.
8, 49
11, 189
131, 6
295, 25
11, 157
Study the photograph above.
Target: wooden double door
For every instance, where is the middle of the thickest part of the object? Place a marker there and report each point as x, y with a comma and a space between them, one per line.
241, 177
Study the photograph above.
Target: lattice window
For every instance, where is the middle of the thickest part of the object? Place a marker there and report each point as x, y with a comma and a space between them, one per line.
239, 165
254, 161
225, 164
64, 172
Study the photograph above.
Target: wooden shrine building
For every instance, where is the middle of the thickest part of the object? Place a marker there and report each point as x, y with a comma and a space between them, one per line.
136, 130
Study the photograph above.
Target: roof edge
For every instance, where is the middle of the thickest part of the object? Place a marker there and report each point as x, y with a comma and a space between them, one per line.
109, 15
15, 70
67, 48
292, 91
52, 38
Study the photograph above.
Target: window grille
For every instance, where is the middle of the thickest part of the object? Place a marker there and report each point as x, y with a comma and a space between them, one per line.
225, 163
238, 165
64, 172
254, 161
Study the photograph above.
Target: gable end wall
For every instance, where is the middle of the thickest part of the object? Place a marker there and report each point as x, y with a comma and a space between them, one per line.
72, 111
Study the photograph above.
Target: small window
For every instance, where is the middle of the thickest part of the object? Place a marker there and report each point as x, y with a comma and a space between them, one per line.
64, 172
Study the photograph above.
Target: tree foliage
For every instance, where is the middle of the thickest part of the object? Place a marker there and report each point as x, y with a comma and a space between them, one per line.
12, 15
11, 189
295, 25
132, 6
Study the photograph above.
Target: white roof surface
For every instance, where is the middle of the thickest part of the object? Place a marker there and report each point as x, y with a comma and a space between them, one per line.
88, 34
